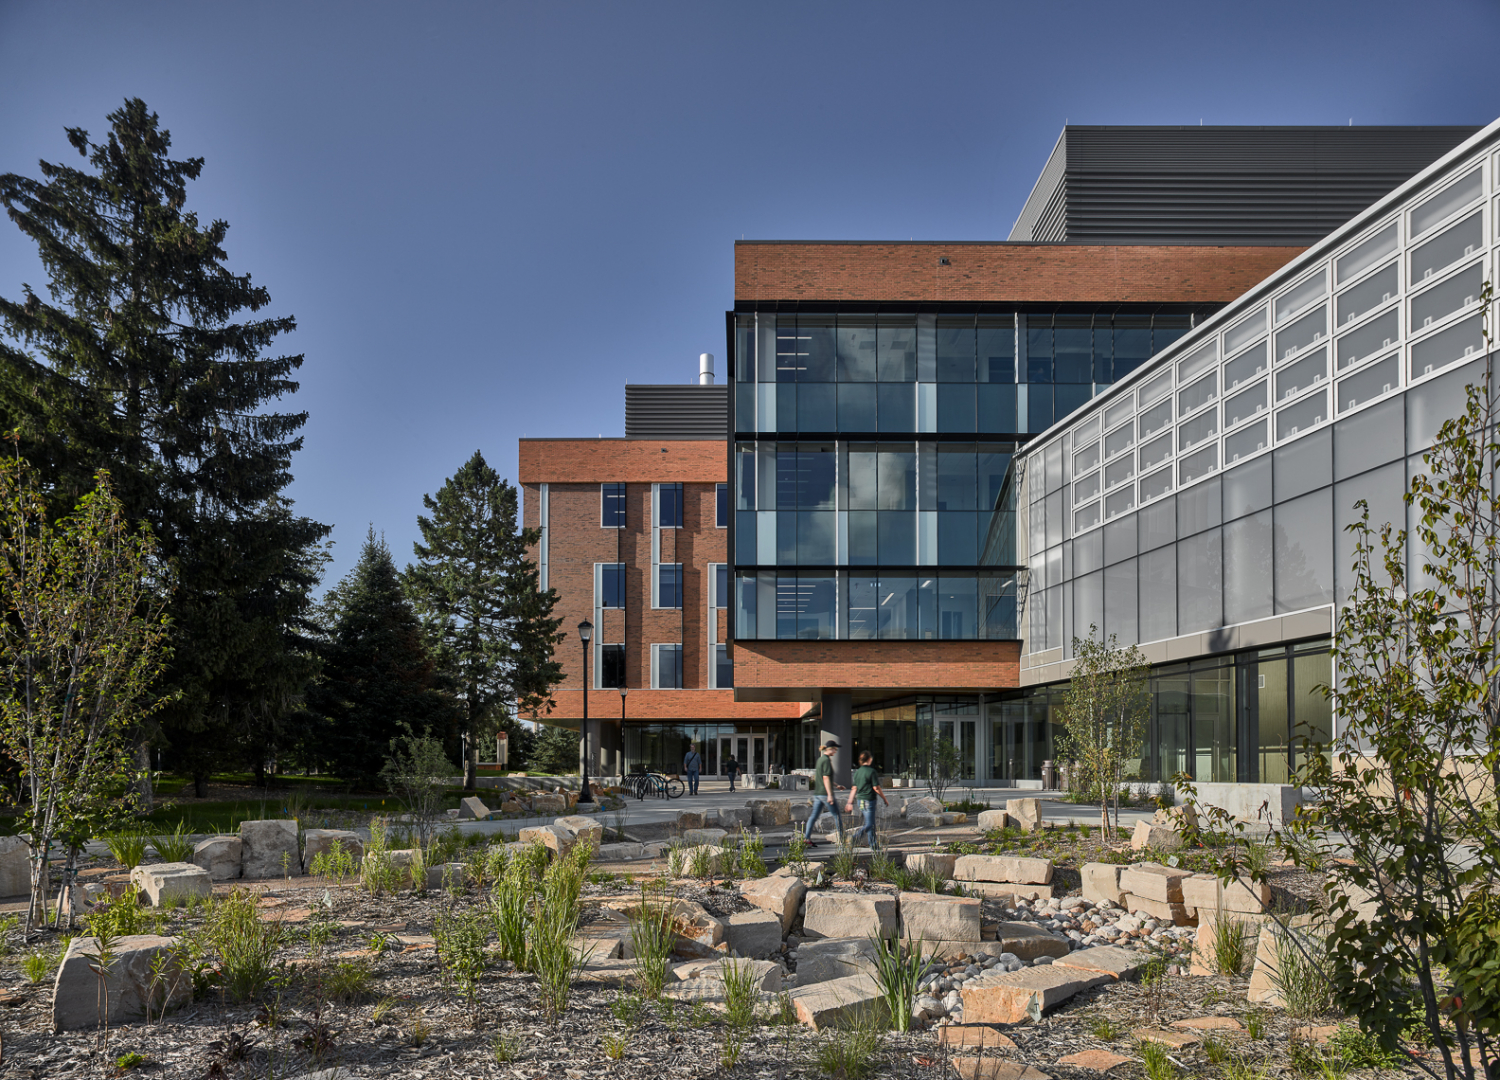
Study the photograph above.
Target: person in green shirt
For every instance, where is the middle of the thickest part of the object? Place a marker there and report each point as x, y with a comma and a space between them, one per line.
865, 789
823, 796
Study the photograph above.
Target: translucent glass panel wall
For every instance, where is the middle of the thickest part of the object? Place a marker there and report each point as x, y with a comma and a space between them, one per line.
883, 604
1209, 490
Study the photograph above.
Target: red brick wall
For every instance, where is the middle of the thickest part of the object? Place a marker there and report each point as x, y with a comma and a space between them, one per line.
776, 670
573, 470
1002, 273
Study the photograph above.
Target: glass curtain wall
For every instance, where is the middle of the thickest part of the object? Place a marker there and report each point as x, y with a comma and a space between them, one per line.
873, 489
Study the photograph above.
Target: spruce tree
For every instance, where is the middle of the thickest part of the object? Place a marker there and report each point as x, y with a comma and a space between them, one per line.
143, 361
379, 680
477, 591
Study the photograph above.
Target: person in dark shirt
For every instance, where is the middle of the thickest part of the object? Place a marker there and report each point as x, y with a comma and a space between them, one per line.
823, 796
732, 767
864, 790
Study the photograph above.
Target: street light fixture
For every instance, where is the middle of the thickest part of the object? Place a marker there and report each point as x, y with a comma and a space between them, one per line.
623, 691
585, 632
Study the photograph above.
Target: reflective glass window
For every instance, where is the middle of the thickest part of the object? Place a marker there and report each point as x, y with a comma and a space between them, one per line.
1038, 407
1245, 442
817, 407
1117, 502
1299, 298
1132, 341
1104, 354
1369, 339
721, 506
721, 586
1088, 605
1244, 332
1447, 202
1086, 517
896, 610
817, 348
1366, 254
1201, 427
1199, 393
1157, 524
1118, 411
1245, 404
1437, 351
997, 349
1379, 288
856, 352
1303, 332
1303, 465
669, 506
1038, 349
744, 538
668, 667
997, 408
1069, 397
1245, 367
997, 606
958, 607
955, 407
897, 407
1199, 508
612, 506
1200, 361
1156, 451
896, 352
857, 407
864, 601
897, 537
1198, 463
1088, 552
1382, 490
1306, 372
1304, 551
1157, 483
816, 538
1166, 329
1120, 621
1158, 593
612, 585
1369, 438
1118, 440
897, 479
1155, 387
1446, 248
1377, 379
1155, 418
1200, 582
958, 538
1440, 301
612, 666
723, 668
1119, 540
1428, 406
1301, 416
955, 478
1247, 568
993, 467
863, 549
1087, 458
1119, 470
669, 585
1072, 343
955, 350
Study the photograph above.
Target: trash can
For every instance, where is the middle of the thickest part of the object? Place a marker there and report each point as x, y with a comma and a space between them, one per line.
1049, 775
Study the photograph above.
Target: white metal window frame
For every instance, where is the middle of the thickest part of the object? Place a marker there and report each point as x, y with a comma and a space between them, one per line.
656, 651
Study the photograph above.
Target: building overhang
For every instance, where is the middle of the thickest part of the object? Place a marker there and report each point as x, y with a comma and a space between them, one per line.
872, 670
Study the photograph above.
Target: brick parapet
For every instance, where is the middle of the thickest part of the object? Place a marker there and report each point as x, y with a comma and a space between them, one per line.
803, 670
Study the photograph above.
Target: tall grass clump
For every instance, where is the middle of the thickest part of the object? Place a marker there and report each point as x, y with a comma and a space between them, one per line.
1230, 944
851, 1052
245, 945
651, 939
897, 971
752, 855
175, 846
741, 994
550, 929
127, 848
510, 906
1300, 973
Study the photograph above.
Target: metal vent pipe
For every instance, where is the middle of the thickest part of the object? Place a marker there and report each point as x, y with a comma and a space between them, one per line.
705, 369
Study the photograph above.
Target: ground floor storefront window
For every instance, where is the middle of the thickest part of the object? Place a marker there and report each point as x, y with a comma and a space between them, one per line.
758, 748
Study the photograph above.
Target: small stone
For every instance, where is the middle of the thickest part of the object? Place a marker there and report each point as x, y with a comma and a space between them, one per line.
1211, 1023
1177, 1040
1096, 1060
989, 1068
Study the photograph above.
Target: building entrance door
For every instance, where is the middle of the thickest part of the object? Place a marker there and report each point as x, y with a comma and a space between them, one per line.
748, 750
961, 733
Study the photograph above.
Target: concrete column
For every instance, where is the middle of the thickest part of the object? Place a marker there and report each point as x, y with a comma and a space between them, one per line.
838, 726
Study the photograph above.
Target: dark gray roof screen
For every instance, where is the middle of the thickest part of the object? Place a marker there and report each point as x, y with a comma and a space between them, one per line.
676, 412
1220, 185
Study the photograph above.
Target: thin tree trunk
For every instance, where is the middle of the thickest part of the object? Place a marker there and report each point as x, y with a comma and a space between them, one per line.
143, 784
471, 764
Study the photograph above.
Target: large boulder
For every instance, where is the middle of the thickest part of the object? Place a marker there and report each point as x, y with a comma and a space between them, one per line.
220, 856
1009, 997
583, 830
1152, 837
932, 918
1003, 868
839, 1003
171, 882
834, 958
736, 817
1207, 893
402, 861
1025, 814
269, 849
130, 984
696, 837
931, 862
15, 866
991, 820
771, 813
317, 842
767, 973
548, 802
1152, 881
832, 914
756, 934
1101, 883
1030, 942
689, 819
779, 894
554, 838
621, 852
473, 809
923, 804
453, 875
1105, 960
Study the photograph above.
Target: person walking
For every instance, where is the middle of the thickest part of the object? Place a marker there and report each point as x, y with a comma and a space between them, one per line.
692, 765
732, 767
864, 790
823, 796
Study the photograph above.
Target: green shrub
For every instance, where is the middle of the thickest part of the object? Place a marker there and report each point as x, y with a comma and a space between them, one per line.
850, 1053
651, 939
176, 846
1157, 1061
246, 946
127, 848
1300, 973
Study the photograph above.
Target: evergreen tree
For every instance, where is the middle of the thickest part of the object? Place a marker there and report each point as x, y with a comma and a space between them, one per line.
478, 594
138, 364
379, 681
554, 751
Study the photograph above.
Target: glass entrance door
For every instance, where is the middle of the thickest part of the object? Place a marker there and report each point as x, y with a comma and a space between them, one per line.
748, 750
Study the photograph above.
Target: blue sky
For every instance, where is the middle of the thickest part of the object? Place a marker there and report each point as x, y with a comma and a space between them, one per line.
488, 217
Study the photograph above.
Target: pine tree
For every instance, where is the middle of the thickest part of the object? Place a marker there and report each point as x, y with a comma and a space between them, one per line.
138, 364
478, 595
379, 681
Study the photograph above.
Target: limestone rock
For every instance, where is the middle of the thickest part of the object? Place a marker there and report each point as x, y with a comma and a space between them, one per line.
1101, 883
834, 958
923, 862
767, 973
1148, 836
1206, 893
1028, 942
839, 1002
1262, 990
583, 830
990, 820
829, 914
993, 1068
770, 813
1174, 913
554, 838
696, 837
1152, 881
779, 894
755, 934
622, 852
1104, 960
1094, 1060
737, 817
317, 842
1025, 814
931, 917
177, 881
548, 802
918, 820
690, 819
269, 848
15, 866
472, 808
220, 856
129, 985
453, 875
999, 997
924, 804
1003, 868
1000, 890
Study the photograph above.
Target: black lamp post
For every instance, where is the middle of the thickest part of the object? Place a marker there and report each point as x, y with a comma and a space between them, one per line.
585, 632
623, 691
